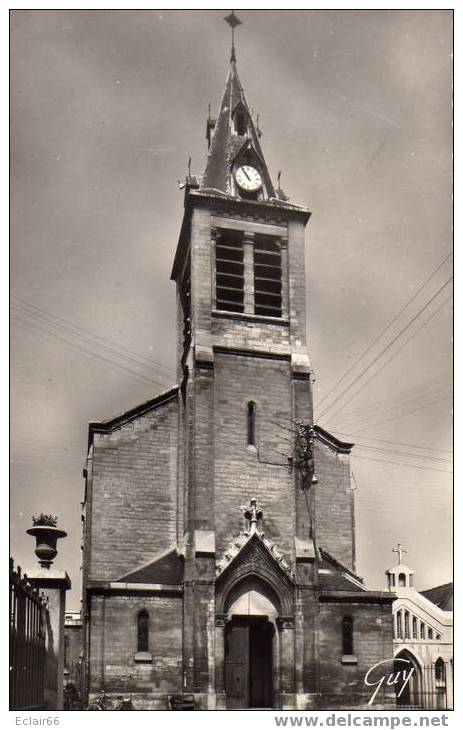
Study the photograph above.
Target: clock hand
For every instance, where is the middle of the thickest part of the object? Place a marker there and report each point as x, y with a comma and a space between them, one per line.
246, 174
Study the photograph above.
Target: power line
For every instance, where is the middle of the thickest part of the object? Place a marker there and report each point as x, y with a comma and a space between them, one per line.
149, 362
388, 326
399, 463
407, 413
92, 355
404, 454
414, 334
394, 443
389, 404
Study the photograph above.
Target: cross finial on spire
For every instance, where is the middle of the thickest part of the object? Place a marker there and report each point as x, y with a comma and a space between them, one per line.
233, 21
399, 550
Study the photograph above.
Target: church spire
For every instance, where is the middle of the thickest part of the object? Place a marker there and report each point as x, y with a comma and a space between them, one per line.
234, 142
235, 164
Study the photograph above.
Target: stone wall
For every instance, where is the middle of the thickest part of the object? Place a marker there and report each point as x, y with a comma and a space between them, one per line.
113, 666
342, 684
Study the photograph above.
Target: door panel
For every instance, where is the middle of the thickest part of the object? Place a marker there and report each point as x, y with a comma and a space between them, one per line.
249, 663
237, 664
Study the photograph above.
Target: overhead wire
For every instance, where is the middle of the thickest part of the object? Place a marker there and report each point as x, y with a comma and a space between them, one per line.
388, 326
98, 339
394, 354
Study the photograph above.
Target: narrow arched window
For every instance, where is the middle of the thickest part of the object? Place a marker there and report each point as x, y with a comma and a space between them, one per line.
414, 628
430, 634
347, 635
440, 672
422, 630
407, 624
251, 423
402, 580
143, 630
399, 624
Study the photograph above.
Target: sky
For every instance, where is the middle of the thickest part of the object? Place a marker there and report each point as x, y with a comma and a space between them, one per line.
355, 108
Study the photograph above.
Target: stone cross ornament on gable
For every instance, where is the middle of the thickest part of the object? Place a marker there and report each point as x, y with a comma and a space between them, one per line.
253, 515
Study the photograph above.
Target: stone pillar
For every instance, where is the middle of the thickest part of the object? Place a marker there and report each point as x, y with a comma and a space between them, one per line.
220, 696
248, 257
54, 585
287, 675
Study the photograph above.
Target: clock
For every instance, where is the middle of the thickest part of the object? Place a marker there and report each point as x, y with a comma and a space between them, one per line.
248, 178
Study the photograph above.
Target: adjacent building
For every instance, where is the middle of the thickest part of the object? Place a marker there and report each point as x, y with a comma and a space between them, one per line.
423, 639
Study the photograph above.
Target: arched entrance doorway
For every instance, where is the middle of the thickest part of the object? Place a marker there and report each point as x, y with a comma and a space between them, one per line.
408, 691
250, 649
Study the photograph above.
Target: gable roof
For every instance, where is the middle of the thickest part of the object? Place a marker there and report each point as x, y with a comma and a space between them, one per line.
441, 596
111, 424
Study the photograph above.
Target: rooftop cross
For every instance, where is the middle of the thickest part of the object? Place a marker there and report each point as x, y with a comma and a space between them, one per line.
399, 550
233, 21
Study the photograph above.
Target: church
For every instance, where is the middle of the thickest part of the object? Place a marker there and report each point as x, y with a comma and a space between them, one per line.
219, 557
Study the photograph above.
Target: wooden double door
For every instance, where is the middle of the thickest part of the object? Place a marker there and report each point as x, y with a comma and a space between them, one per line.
249, 662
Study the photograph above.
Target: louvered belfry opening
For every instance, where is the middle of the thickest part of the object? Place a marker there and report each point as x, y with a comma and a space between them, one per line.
230, 271
267, 276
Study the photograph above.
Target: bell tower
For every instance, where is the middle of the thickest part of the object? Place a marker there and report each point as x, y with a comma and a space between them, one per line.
243, 363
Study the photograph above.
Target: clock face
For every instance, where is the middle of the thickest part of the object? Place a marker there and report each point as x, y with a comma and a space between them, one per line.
248, 178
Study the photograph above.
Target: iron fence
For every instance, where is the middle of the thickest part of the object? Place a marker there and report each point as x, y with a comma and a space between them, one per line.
429, 689
28, 617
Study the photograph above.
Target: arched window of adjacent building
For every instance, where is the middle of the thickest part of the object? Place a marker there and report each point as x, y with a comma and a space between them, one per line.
347, 635
251, 423
422, 631
430, 634
439, 669
143, 620
407, 624
399, 624
402, 580
414, 628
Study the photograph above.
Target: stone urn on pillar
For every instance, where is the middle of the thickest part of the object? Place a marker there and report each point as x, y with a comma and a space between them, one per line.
54, 584
46, 536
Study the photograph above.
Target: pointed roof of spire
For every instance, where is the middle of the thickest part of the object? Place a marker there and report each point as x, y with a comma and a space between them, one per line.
226, 144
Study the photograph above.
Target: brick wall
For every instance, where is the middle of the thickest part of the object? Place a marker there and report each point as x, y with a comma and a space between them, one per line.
134, 493
238, 473
333, 504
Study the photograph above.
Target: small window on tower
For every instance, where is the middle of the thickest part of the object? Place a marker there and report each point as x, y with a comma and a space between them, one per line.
229, 271
240, 123
267, 277
185, 299
402, 580
251, 423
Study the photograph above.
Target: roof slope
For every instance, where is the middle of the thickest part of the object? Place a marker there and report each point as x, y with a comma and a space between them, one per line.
441, 596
